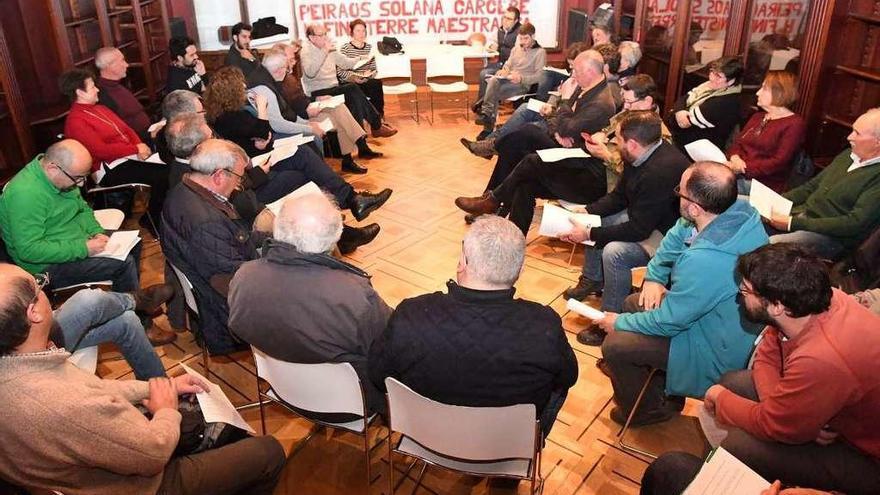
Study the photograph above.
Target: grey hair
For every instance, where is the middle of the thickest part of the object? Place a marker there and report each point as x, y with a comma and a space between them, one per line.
309, 227
274, 60
630, 53
185, 132
177, 102
593, 61
216, 154
102, 56
494, 249
873, 115
60, 153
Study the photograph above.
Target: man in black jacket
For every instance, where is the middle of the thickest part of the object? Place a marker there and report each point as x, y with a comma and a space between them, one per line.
507, 34
240, 54
635, 215
477, 345
186, 70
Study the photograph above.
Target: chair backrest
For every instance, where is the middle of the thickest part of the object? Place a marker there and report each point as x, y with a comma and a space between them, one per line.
109, 218
85, 359
393, 67
321, 387
471, 433
187, 288
444, 65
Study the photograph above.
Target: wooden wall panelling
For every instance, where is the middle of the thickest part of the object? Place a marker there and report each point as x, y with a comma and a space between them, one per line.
735, 41
676, 57
14, 102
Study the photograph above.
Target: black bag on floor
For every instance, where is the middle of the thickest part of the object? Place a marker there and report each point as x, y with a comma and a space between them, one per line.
196, 435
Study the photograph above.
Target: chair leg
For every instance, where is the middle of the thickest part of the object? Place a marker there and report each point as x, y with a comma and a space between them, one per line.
390, 466
419, 479
417, 117
432, 109
367, 455
632, 413
262, 407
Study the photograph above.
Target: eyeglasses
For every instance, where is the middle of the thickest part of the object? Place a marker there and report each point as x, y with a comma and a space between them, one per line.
42, 280
506, 18
630, 102
677, 191
230, 172
78, 180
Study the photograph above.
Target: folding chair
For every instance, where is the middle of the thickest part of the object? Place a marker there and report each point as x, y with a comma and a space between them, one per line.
502, 442
85, 359
445, 74
396, 75
133, 187
318, 388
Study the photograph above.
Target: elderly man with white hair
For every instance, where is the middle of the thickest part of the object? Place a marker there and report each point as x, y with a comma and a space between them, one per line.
477, 345
114, 95
300, 304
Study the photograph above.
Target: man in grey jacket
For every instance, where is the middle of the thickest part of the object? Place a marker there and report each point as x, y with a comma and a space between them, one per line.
300, 304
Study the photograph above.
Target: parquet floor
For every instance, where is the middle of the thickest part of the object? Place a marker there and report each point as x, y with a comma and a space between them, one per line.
416, 252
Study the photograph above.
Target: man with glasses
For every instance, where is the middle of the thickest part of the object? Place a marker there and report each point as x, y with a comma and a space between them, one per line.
686, 321
507, 35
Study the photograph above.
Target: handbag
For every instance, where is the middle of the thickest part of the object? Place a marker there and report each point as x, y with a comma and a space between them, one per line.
389, 45
197, 435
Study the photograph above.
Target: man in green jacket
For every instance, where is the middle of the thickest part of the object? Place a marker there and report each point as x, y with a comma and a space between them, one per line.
837, 209
691, 331
48, 227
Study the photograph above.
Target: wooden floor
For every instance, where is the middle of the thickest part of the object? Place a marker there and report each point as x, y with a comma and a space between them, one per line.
416, 252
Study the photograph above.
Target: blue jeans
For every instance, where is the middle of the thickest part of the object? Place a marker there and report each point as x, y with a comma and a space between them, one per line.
820, 244
97, 317
520, 118
487, 71
123, 274
613, 264
303, 167
549, 81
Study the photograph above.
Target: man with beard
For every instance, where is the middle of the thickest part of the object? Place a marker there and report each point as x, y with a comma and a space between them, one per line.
240, 54
806, 412
635, 215
186, 70
691, 332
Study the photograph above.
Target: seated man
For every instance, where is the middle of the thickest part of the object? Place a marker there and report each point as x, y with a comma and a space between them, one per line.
806, 413
112, 69
240, 54
505, 41
477, 345
635, 215
298, 303
68, 430
837, 209
319, 62
692, 331
521, 70
186, 70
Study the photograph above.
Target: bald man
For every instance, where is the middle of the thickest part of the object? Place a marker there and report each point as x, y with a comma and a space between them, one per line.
65, 429
114, 95
300, 304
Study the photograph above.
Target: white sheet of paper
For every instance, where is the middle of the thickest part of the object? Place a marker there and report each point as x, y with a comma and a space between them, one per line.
584, 310
216, 407
120, 244
555, 154
332, 102
557, 70
704, 150
724, 474
535, 105
361, 63
155, 127
276, 155
554, 93
310, 188
325, 125
555, 221
767, 201
154, 158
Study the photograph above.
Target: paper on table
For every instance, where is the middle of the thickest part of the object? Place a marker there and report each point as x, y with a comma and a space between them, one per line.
724, 474
332, 102
555, 154
767, 201
120, 244
535, 105
703, 150
584, 310
557, 70
555, 221
216, 407
310, 188
325, 125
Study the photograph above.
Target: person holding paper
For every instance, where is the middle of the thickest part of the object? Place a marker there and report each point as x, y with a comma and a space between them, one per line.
686, 321
635, 215
770, 140
365, 75
477, 345
66, 429
836, 210
806, 412
118, 155
506, 41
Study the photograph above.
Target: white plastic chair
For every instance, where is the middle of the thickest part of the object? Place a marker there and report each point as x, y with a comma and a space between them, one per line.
319, 388
85, 359
133, 187
481, 441
445, 74
395, 73
109, 218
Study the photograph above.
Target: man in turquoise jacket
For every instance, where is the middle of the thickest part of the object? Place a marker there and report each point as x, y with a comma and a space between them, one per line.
48, 227
693, 331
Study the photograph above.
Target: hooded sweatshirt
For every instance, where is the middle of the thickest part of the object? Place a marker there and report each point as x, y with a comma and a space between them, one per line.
700, 313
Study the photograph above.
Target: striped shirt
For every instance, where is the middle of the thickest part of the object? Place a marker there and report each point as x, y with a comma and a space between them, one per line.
351, 51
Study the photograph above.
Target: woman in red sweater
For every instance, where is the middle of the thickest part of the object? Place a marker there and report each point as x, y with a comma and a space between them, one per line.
768, 143
117, 152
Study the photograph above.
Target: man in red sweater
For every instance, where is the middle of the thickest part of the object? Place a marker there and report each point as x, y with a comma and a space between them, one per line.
806, 412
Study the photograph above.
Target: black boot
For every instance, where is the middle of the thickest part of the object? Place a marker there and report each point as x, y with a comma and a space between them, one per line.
363, 203
349, 165
353, 237
585, 287
364, 151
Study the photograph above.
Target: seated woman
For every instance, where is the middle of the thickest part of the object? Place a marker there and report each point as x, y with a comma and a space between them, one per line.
117, 152
768, 143
365, 75
712, 109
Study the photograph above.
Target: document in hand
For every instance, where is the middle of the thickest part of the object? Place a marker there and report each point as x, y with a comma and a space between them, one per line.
555, 221
555, 154
557, 70
295, 140
120, 244
216, 407
332, 102
535, 105
724, 474
704, 150
584, 310
154, 158
326, 125
572, 207
361, 63
276, 155
310, 188
767, 201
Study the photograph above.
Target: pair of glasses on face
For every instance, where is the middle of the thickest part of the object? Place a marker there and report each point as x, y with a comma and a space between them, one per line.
677, 191
78, 180
631, 102
42, 280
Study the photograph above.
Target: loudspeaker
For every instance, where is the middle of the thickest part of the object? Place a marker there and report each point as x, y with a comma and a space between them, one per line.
578, 27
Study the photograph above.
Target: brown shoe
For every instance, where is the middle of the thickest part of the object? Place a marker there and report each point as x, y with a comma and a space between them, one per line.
384, 131
149, 301
158, 336
482, 205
